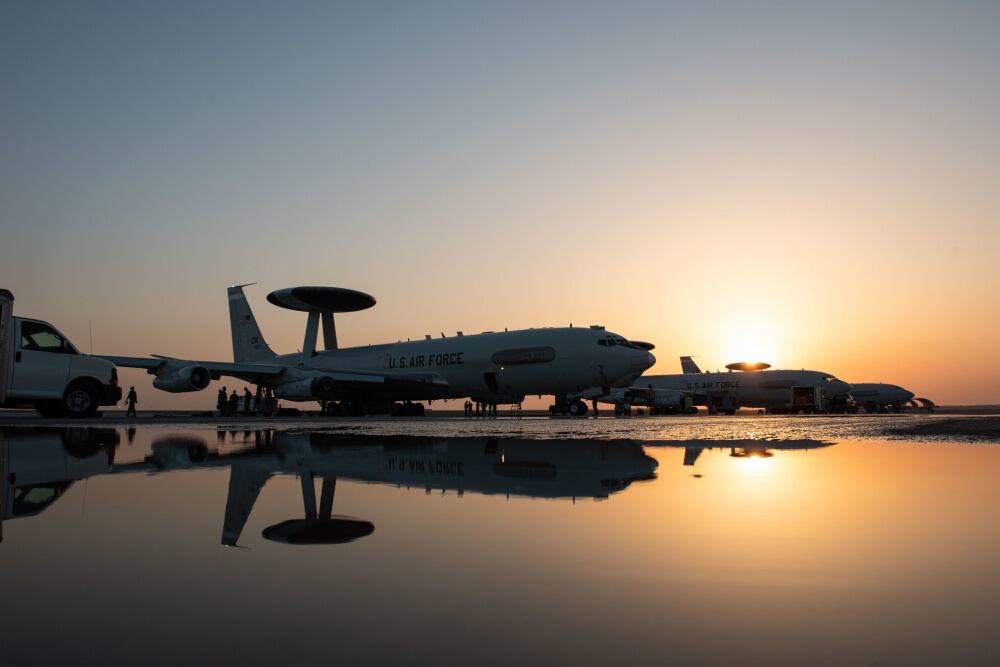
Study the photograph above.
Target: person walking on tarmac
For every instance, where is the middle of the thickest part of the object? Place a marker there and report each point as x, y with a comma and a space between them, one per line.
220, 403
130, 402
234, 400
247, 402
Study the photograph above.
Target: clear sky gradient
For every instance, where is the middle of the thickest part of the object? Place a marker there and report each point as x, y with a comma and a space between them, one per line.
814, 185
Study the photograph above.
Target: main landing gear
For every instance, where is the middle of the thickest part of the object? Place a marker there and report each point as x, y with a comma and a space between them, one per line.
407, 409
561, 408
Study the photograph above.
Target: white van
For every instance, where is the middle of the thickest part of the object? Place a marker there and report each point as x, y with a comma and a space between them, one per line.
40, 368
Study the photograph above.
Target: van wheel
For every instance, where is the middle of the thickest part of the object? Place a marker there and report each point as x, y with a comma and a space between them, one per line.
49, 409
80, 401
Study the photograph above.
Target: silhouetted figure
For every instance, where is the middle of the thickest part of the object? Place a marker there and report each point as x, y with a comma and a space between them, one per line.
234, 401
130, 402
247, 402
220, 403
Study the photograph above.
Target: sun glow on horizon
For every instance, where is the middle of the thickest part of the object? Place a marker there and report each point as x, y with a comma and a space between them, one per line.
749, 337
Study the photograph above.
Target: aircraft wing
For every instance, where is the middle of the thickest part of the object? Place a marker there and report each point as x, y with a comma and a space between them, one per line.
214, 367
260, 371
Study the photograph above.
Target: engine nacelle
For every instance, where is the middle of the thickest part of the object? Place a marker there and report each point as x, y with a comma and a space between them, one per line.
309, 389
179, 380
178, 453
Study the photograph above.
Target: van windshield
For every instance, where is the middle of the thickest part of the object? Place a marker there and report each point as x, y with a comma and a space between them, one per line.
43, 338
33, 499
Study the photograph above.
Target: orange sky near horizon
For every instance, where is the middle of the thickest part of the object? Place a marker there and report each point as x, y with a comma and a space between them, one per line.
811, 186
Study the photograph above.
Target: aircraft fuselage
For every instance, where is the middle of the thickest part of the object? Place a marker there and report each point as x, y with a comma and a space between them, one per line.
774, 390
493, 367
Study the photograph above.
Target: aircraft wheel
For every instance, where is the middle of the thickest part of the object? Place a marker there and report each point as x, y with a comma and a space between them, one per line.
418, 409
578, 408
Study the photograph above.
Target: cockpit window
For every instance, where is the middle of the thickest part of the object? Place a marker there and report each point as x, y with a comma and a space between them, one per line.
613, 340
43, 338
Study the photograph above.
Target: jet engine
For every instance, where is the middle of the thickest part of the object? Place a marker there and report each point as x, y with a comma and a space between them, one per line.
177, 453
309, 389
179, 380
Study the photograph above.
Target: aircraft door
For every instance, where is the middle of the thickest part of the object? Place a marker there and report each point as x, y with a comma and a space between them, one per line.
803, 396
41, 361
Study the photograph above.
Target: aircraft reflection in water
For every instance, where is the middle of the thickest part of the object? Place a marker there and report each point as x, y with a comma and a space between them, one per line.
533, 468
38, 465
745, 448
43, 467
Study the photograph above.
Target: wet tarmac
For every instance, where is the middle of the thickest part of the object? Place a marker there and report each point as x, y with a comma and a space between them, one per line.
708, 540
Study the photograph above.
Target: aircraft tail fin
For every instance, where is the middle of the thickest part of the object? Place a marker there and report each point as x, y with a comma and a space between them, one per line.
688, 365
245, 483
248, 341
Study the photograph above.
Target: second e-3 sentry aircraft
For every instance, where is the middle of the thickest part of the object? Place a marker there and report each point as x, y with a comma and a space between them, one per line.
491, 367
742, 385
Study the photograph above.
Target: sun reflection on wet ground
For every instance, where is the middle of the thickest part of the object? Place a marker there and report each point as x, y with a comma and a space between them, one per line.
536, 541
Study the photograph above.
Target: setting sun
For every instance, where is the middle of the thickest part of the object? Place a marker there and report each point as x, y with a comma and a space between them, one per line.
749, 337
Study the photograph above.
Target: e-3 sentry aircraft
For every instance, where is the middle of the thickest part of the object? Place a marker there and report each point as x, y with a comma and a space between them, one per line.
747, 385
491, 367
